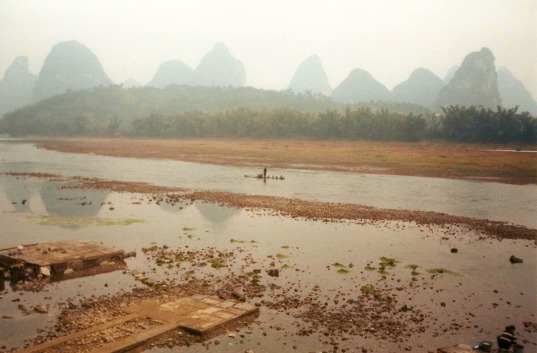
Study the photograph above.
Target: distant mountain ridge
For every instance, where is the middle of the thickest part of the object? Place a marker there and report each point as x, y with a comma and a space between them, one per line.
219, 68
69, 66
422, 88
474, 83
311, 77
72, 66
360, 86
514, 93
172, 72
16, 88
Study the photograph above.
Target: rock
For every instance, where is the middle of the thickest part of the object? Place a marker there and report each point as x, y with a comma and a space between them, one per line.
41, 309
360, 86
515, 260
45, 271
219, 68
172, 72
422, 88
310, 77
514, 93
474, 83
69, 66
274, 272
454, 250
17, 86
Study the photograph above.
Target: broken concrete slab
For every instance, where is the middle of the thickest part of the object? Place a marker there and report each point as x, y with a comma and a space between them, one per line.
197, 314
59, 259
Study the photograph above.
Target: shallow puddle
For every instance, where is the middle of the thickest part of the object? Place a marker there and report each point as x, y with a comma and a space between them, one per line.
486, 294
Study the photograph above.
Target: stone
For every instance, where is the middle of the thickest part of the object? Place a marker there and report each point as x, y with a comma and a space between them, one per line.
17, 86
421, 88
514, 93
69, 66
41, 309
218, 68
360, 86
515, 260
475, 83
311, 77
173, 72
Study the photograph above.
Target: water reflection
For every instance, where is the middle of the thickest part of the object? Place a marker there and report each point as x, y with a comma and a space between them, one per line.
61, 202
512, 203
45, 198
215, 213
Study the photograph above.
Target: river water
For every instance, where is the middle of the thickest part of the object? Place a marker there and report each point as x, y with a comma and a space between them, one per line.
487, 294
485, 200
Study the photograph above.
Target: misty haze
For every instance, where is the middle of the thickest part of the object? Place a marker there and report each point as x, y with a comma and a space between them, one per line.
268, 177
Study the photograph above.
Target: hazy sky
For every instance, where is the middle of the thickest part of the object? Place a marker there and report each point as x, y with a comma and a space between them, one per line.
388, 38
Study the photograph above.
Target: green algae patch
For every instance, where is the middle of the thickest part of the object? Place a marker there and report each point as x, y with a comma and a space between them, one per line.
413, 267
368, 289
216, 262
343, 271
368, 267
274, 286
150, 249
443, 271
385, 262
187, 229
85, 221
256, 278
236, 241
340, 265
281, 256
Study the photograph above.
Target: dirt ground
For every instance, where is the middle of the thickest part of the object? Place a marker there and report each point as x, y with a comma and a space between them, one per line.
506, 164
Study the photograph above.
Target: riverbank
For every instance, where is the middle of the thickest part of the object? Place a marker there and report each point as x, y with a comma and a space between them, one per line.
429, 159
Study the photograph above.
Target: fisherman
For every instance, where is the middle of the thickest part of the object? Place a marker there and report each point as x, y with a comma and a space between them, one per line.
507, 338
265, 173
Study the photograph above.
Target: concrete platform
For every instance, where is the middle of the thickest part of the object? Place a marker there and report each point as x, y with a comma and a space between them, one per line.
198, 314
55, 258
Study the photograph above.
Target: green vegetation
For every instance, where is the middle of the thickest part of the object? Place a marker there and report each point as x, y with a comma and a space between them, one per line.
233, 241
368, 289
246, 112
384, 262
343, 271
442, 271
474, 124
60, 221
256, 278
216, 262
152, 249
413, 267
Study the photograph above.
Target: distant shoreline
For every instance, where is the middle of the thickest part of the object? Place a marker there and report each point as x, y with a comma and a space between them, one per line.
426, 159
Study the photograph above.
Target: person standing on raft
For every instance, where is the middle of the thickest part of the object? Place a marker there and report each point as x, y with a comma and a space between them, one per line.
265, 173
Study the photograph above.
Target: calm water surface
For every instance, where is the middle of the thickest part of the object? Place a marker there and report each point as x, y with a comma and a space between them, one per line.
495, 201
489, 287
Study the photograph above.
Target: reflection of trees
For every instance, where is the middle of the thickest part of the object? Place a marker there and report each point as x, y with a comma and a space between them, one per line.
16, 191
215, 213
172, 208
71, 202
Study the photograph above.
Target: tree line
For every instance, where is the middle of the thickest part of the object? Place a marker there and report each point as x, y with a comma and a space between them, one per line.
458, 124
181, 112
